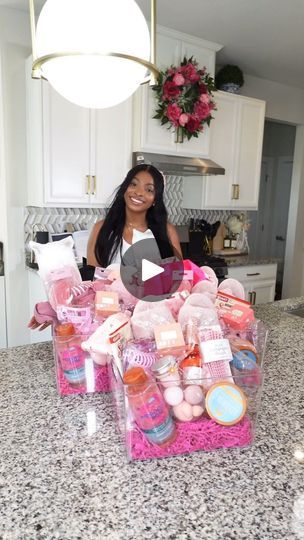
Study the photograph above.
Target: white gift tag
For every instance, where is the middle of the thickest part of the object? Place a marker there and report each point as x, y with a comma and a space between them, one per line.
215, 350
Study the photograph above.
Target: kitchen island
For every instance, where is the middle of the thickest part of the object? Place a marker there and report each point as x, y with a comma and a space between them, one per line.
64, 475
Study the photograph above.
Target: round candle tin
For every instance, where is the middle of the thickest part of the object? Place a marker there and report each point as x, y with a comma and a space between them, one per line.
226, 403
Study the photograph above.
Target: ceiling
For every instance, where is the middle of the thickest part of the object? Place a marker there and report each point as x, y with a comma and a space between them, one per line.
265, 38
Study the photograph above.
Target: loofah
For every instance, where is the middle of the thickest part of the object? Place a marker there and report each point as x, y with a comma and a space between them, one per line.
203, 434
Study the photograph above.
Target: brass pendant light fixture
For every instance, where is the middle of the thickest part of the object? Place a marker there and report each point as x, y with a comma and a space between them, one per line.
95, 53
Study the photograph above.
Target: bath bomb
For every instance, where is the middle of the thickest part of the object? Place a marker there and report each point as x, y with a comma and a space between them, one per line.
193, 394
173, 395
183, 411
197, 410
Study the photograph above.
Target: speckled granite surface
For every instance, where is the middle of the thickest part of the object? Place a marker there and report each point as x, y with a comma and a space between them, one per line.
62, 479
246, 260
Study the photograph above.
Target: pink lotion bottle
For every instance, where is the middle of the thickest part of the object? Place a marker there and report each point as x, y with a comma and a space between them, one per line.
149, 408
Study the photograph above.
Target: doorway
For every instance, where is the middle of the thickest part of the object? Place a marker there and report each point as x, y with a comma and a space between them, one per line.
268, 231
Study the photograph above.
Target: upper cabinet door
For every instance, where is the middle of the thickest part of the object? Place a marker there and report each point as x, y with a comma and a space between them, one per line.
76, 156
66, 147
111, 136
249, 152
148, 134
236, 144
223, 140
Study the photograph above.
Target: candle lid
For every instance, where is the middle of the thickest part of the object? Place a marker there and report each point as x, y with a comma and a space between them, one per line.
163, 365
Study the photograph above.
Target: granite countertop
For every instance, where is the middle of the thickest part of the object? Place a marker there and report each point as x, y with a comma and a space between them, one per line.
247, 260
64, 475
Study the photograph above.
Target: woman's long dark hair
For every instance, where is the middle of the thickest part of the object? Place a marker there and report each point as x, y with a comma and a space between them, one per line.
109, 239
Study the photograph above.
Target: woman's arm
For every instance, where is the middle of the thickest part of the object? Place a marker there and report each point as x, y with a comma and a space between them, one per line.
91, 259
174, 239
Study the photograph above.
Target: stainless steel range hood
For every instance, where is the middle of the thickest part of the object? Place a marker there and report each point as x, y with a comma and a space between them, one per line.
178, 165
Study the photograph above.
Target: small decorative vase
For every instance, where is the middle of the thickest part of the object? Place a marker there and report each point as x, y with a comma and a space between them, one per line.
230, 87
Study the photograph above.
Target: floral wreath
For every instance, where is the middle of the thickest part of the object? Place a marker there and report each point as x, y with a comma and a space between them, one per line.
185, 100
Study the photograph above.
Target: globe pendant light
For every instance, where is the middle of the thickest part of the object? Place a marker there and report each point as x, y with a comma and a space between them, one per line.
95, 53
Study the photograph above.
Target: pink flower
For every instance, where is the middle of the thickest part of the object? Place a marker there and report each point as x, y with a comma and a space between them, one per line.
183, 119
202, 110
193, 123
190, 73
170, 90
178, 79
173, 113
204, 98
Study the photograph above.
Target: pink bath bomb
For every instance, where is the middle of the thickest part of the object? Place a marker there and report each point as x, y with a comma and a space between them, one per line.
193, 394
197, 410
183, 412
173, 395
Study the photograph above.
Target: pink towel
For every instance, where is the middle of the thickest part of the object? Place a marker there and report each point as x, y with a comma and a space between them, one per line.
44, 312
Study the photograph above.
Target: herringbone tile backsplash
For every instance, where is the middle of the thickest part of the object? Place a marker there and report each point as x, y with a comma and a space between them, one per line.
55, 219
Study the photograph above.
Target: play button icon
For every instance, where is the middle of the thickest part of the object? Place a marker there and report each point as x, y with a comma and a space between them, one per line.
146, 275
150, 270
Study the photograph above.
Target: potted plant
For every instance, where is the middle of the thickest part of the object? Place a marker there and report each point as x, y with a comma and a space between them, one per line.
229, 78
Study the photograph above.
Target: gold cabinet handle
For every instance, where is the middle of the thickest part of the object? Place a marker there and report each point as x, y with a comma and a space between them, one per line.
235, 191
94, 184
88, 183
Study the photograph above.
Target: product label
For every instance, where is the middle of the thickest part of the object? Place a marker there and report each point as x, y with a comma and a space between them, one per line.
215, 350
226, 404
169, 335
150, 411
161, 433
107, 301
152, 417
74, 315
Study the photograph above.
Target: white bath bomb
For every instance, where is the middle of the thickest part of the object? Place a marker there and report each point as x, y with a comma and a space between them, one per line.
173, 395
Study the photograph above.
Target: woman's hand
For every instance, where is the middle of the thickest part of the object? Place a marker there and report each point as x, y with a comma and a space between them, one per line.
35, 325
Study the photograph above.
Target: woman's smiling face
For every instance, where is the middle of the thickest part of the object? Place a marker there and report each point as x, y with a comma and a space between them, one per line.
140, 194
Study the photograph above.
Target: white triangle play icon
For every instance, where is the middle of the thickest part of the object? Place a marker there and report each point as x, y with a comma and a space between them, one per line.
150, 270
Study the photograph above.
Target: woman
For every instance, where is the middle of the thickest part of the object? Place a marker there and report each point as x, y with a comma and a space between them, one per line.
137, 212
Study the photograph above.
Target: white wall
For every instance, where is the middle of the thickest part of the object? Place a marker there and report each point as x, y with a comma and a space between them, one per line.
14, 48
293, 284
284, 103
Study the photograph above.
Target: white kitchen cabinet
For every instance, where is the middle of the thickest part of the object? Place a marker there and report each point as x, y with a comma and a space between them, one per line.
76, 156
258, 280
236, 140
148, 134
37, 294
3, 334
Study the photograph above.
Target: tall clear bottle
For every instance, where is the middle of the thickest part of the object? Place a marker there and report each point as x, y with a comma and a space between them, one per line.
149, 408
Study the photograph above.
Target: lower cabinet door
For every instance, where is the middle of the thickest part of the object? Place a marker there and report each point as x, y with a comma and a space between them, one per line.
260, 292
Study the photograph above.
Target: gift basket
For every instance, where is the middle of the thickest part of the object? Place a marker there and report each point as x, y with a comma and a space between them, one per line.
201, 394
185, 368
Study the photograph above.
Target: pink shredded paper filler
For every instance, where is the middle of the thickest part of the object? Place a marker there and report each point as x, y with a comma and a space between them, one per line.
102, 383
204, 434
